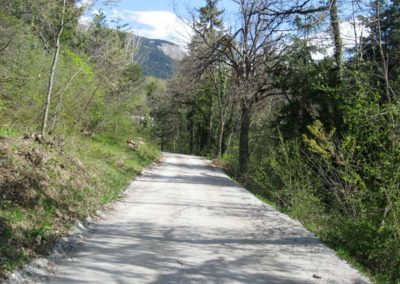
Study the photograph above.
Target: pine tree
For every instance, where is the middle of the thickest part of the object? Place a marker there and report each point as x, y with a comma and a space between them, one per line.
391, 37
210, 17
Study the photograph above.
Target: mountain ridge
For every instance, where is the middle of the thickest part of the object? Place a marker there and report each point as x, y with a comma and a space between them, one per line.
157, 57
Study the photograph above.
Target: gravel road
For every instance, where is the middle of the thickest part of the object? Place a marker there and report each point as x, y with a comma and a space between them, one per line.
185, 221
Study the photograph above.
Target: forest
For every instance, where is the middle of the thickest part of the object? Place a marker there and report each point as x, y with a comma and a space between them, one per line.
297, 100
314, 129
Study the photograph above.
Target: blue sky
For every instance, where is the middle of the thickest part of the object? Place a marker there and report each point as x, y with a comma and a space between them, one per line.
156, 18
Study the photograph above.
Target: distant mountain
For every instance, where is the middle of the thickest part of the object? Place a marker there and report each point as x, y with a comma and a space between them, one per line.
157, 57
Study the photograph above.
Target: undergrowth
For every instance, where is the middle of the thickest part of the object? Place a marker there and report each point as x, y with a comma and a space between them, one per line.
285, 178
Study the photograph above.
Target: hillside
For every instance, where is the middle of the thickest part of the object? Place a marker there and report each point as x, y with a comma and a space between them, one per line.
80, 92
158, 58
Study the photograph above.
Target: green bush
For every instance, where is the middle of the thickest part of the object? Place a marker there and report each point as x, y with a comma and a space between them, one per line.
281, 174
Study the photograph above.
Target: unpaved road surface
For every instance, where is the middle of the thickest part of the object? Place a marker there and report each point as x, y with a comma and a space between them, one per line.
187, 222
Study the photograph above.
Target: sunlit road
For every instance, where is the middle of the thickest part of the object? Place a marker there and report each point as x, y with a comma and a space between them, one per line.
184, 221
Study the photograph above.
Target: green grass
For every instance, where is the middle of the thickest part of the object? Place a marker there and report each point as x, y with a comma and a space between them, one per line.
115, 165
48, 197
12, 214
6, 132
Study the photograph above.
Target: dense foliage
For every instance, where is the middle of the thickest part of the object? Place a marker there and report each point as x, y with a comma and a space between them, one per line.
323, 137
97, 83
79, 86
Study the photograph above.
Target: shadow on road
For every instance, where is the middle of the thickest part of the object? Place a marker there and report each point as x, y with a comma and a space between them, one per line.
186, 222
150, 248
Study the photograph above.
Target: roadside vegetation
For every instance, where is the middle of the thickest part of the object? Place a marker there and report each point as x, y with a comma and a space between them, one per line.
71, 96
314, 132
313, 129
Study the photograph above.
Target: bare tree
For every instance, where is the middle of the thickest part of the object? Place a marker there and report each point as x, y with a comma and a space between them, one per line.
250, 51
53, 69
337, 39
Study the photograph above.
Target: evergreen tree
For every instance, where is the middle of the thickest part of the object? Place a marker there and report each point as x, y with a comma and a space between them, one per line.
391, 35
210, 17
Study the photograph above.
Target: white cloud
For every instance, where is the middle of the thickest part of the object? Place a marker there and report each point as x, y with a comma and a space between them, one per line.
323, 40
85, 20
348, 34
156, 24
84, 3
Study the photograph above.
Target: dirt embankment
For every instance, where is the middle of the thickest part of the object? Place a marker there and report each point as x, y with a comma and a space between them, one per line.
42, 190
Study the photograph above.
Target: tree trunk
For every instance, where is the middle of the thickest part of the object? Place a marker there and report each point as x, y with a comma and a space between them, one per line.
384, 62
356, 43
337, 39
190, 128
162, 143
338, 55
244, 139
210, 132
221, 136
53, 72
191, 133
228, 143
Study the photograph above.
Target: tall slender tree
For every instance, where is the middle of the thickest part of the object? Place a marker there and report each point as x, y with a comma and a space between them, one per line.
53, 68
337, 39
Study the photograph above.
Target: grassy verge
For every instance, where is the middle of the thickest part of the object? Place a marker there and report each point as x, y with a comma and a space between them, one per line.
45, 188
319, 226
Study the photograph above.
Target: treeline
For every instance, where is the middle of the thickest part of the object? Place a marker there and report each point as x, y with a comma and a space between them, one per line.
60, 77
317, 132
